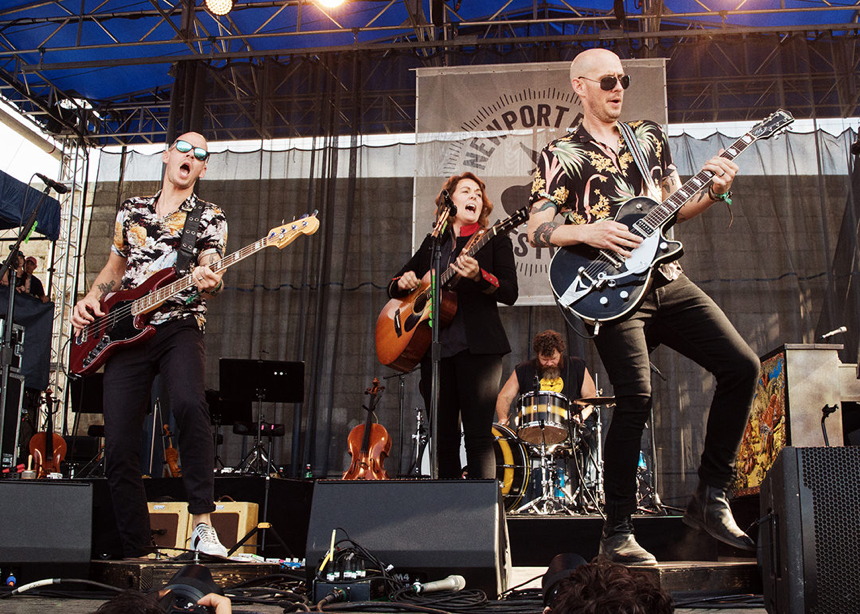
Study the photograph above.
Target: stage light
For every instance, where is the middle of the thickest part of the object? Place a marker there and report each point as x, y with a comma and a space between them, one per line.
219, 7
331, 4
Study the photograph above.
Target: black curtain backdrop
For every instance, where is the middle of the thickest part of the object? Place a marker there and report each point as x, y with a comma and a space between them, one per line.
782, 264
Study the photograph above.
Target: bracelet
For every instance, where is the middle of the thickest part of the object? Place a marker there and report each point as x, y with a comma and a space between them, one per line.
726, 197
217, 288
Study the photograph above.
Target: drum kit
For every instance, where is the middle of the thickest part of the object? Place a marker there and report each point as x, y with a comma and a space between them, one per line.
550, 461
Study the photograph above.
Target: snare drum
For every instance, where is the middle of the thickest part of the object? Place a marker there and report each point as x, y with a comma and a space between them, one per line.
512, 465
543, 417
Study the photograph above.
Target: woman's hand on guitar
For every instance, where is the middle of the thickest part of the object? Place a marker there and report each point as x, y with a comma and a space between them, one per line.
85, 311
408, 282
467, 267
610, 235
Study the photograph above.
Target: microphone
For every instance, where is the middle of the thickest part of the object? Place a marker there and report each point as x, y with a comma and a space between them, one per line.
58, 187
452, 209
838, 331
451, 583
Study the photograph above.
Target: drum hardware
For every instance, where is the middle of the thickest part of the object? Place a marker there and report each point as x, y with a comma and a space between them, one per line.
512, 465
419, 443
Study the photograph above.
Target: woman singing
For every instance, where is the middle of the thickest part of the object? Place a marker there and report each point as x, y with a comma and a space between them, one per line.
473, 344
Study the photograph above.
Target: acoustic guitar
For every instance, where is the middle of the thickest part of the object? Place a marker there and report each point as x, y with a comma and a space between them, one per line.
403, 331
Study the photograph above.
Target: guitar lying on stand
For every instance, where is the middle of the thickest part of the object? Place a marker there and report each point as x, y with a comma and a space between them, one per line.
599, 285
403, 330
127, 312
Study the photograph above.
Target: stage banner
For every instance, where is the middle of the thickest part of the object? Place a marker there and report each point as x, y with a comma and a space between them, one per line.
494, 121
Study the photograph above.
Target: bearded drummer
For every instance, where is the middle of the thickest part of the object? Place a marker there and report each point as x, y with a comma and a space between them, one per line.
551, 371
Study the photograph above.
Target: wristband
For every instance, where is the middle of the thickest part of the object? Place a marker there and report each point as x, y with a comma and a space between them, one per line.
726, 197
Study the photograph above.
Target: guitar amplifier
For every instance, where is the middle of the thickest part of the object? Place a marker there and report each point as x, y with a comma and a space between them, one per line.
17, 343
169, 523
233, 520
10, 421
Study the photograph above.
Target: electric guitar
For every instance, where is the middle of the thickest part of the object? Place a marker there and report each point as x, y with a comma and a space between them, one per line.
127, 312
599, 285
403, 331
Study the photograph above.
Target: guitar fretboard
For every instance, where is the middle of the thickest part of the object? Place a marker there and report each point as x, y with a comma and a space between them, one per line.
658, 216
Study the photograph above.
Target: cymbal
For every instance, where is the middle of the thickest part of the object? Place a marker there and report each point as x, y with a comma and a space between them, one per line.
595, 401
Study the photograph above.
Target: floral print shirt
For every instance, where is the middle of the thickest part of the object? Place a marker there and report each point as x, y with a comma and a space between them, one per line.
150, 244
588, 182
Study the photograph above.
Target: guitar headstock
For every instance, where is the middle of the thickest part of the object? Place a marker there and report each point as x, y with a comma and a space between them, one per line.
520, 216
282, 236
772, 124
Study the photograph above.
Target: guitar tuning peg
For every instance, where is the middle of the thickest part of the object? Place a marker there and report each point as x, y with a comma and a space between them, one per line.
304, 216
283, 221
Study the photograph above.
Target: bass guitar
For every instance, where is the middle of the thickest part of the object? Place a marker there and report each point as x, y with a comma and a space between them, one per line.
127, 312
403, 331
599, 285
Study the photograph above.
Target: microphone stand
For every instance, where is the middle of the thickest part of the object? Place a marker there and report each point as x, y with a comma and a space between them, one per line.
438, 235
6, 350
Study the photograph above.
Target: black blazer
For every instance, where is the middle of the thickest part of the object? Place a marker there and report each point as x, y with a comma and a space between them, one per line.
477, 301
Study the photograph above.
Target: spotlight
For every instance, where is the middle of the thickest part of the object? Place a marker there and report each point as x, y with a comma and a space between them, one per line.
219, 7
331, 4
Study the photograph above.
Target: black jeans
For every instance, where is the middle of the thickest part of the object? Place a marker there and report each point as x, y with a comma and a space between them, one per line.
681, 316
176, 351
468, 386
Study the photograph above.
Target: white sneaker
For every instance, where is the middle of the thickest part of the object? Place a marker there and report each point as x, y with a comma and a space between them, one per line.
204, 539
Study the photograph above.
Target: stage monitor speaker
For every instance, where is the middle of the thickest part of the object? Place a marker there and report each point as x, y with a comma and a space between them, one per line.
810, 540
425, 529
46, 528
169, 524
234, 520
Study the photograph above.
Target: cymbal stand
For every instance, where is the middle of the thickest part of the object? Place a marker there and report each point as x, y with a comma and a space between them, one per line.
419, 443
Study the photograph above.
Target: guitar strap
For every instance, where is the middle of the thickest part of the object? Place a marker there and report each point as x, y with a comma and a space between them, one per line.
639, 157
189, 238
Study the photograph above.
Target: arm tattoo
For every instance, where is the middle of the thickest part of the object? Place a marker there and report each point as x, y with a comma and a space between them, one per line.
107, 287
543, 233
670, 184
543, 206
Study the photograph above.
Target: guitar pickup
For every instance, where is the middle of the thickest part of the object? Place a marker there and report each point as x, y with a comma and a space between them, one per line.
397, 327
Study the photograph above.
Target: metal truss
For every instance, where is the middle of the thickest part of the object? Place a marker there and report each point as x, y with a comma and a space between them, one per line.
267, 61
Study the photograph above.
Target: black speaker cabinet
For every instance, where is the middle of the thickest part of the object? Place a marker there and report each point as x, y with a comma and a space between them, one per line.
46, 528
425, 529
811, 538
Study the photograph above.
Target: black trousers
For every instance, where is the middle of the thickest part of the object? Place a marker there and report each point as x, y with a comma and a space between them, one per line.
175, 351
468, 386
680, 315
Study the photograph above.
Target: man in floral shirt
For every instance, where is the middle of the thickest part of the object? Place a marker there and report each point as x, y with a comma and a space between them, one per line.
585, 177
146, 240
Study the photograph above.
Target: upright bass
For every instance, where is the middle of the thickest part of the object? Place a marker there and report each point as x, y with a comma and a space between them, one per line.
369, 443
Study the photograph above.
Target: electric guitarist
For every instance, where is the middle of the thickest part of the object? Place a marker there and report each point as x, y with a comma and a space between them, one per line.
149, 236
586, 177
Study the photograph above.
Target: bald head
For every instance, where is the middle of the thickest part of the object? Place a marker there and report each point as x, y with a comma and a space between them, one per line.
594, 62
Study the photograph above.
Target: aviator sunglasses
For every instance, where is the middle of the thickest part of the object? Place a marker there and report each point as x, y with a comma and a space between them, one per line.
184, 147
607, 84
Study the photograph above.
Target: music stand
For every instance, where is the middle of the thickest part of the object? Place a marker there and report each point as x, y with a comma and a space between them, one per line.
225, 412
273, 381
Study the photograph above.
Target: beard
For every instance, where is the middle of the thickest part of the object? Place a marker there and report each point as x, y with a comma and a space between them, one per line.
550, 373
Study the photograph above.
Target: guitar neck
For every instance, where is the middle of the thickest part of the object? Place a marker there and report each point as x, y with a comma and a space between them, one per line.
662, 213
157, 297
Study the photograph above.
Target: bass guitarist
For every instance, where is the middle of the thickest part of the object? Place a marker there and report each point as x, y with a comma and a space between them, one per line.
473, 344
147, 239
585, 177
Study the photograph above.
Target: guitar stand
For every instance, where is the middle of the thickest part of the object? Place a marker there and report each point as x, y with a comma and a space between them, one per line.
261, 528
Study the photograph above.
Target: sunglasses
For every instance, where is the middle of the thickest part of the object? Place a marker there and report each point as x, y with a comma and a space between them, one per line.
607, 84
184, 147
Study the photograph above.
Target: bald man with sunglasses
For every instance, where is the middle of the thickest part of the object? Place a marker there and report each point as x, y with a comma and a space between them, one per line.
585, 177
146, 240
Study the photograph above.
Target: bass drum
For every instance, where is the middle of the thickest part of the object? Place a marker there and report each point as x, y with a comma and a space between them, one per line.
512, 465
